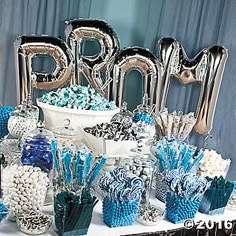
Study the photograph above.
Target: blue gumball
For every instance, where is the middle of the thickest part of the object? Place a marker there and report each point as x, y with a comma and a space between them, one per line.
4, 117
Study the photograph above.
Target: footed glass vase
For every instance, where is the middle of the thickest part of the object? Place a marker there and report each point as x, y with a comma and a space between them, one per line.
178, 209
117, 214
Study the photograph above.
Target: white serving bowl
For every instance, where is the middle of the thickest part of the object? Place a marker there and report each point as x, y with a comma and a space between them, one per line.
109, 147
54, 116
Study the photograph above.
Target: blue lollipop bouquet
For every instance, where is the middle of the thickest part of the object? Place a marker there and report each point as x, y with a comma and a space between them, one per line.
172, 154
123, 195
184, 196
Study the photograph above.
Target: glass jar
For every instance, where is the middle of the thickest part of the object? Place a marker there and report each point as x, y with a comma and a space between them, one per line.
22, 121
144, 121
36, 148
67, 135
24, 189
141, 165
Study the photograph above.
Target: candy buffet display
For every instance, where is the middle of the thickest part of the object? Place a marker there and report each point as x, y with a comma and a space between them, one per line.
122, 197
34, 223
217, 196
4, 117
78, 97
74, 177
36, 148
24, 188
176, 125
143, 142
172, 154
183, 198
213, 164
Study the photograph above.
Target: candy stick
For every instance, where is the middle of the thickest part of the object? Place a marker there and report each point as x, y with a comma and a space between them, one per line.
66, 160
187, 156
196, 161
77, 163
88, 162
161, 156
54, 154
181, 155
95, 171
80, 175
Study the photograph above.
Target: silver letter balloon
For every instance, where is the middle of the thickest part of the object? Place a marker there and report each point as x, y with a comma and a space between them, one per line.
28, 47
142, 60
92, 66
206, 68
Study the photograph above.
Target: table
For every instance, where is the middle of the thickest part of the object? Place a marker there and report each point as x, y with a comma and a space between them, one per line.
164, 227
97, 227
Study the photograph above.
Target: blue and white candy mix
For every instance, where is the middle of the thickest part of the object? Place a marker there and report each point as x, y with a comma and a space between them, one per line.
121, 187
78, 97
187, 185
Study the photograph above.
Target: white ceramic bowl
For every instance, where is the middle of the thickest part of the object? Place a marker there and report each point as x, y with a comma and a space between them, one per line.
54, 116
109, 147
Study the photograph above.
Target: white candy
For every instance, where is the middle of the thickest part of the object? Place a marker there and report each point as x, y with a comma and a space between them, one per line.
24, 187
213, 164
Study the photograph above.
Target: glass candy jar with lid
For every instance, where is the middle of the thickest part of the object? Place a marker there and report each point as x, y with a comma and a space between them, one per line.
144, 120
21, 122
142, 165
67, 135
36, 148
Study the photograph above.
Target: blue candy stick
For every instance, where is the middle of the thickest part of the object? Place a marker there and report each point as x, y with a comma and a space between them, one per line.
173, 154
196, 161
77, 163
81, 168
66, 161
162, 157
54, 154
88, 162
187, 157
183, 149
95, 171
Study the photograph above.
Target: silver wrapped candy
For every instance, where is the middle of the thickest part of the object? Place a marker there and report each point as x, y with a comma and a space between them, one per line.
175, 125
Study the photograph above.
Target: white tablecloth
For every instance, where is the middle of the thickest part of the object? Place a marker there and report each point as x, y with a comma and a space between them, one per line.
98, 228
